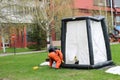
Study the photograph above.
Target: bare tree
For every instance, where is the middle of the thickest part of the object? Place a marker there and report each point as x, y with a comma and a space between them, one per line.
48, 14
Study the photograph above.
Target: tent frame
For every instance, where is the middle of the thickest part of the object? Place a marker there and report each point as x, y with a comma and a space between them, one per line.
107, 45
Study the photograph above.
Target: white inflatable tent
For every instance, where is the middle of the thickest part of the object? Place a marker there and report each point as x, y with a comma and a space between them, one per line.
85, 40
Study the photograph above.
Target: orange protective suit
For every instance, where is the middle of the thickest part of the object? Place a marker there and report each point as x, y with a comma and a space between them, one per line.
59, 53
54, 57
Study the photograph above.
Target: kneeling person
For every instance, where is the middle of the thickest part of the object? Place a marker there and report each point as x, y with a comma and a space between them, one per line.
54, 57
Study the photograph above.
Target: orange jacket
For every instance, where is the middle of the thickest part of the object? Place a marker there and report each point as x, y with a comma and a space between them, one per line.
59, 53
54, 57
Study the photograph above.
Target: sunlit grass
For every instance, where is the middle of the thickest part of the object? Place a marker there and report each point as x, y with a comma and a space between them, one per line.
19, 67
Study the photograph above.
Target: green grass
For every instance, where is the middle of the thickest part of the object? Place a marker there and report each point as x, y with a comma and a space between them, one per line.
17, 50
19, 67
115, 51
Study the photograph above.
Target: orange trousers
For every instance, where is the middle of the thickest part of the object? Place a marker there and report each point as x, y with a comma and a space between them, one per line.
54, 57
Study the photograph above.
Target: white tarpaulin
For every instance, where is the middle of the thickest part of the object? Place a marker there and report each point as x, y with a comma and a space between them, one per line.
47, 64
114, 70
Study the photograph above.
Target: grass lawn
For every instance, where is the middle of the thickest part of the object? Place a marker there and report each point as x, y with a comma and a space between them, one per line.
19, 67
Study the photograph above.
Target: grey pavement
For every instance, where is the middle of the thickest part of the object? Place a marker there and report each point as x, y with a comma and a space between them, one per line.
114, 43
7, 54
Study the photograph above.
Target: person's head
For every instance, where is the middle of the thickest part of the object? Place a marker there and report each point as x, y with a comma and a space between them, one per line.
51, 50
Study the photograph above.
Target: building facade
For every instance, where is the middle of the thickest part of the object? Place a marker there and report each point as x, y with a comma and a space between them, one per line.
108, 8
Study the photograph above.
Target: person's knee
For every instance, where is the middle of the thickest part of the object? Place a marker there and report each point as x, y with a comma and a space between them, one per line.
58, 64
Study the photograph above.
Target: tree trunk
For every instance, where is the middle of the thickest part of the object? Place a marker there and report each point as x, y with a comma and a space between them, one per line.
3, 44
49, 39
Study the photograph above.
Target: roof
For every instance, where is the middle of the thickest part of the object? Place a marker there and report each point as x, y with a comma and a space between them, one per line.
96, 18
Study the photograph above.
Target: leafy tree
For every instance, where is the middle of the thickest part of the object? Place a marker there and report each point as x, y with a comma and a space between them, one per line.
37, 37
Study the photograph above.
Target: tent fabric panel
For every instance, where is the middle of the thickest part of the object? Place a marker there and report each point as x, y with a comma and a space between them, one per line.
77, 42
99, 48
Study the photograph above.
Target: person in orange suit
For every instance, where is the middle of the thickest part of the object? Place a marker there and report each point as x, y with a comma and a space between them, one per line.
59, 53
54, 57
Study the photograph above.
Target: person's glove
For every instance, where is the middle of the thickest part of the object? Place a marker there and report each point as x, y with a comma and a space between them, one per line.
62, 61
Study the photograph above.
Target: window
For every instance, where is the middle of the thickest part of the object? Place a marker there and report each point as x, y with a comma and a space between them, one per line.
108, 2
99, 2
117, 3
102, 2
117, 18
